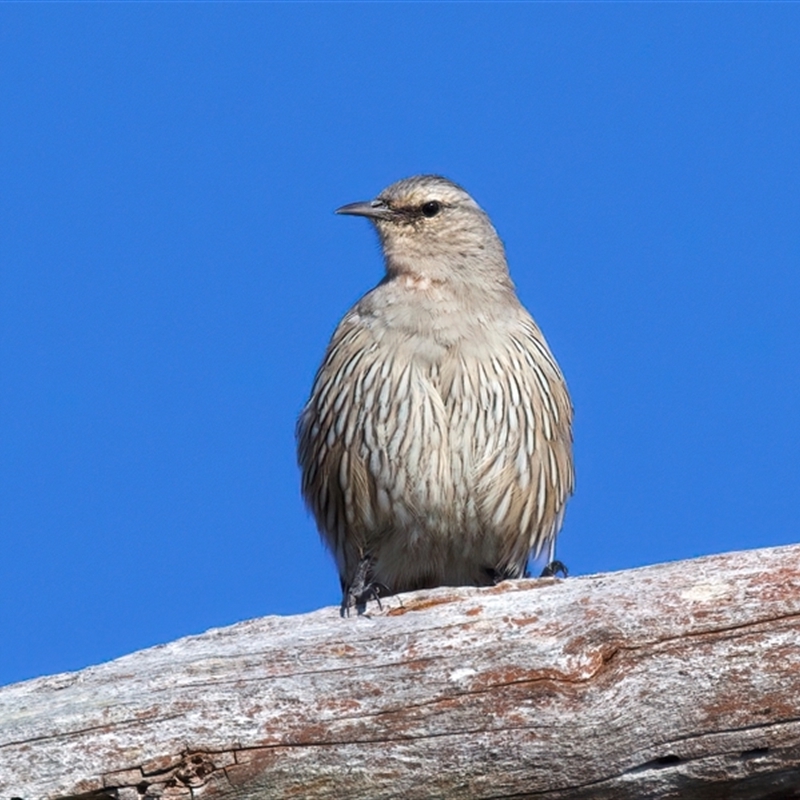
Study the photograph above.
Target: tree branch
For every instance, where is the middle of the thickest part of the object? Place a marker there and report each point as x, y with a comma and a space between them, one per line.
676, 680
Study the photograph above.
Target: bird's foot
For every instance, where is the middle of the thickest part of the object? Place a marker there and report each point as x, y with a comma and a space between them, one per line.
553, 569
361, 590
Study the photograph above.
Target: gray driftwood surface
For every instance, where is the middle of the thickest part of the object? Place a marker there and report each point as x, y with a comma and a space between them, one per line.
677, 680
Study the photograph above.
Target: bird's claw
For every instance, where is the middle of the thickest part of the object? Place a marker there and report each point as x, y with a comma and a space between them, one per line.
361, 590
553, 569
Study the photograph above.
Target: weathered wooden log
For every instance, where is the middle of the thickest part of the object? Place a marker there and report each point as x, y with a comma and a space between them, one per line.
677, 680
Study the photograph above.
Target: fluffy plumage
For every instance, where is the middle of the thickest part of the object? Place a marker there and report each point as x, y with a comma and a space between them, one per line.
436, 446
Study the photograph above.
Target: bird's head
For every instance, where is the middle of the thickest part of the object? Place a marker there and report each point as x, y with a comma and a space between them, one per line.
431, 228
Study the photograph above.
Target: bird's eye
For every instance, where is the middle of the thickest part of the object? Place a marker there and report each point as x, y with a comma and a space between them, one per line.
431, 208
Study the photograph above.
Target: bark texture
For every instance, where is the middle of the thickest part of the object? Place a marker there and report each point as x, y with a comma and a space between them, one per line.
676, 680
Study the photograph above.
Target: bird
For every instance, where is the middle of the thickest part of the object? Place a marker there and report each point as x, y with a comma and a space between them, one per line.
435, 448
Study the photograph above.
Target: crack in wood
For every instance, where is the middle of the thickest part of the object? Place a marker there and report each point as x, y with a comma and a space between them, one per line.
125, 723
736, 729
186, 772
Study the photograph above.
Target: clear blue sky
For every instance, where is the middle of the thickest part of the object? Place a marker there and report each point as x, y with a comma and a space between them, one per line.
171, 270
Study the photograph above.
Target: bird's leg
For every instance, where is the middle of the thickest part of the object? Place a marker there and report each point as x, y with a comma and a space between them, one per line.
554, 566
361, 590
553, 569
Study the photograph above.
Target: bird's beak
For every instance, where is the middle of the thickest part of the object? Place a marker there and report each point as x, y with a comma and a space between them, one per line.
374, 209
